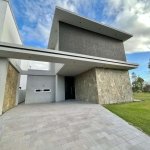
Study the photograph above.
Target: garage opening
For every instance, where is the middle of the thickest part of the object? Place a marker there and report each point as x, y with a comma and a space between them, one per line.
69, 88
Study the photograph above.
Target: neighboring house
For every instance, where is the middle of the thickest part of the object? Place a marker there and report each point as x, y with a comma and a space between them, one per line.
9, 33
86, 62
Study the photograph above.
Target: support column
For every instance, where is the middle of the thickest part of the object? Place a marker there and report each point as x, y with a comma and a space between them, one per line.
59, 88
3, 77
17, 92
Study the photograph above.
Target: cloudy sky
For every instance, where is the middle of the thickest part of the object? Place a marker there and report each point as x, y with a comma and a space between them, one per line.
34, 19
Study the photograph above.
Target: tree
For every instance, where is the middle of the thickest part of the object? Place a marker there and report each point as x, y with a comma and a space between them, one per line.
135, 88
149, 64
134, 77
140, 83
137, 83
146, 88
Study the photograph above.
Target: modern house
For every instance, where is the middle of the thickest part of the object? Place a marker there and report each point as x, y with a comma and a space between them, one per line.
87, 62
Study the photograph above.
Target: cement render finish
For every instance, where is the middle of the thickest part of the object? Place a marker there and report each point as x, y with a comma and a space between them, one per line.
41, 83
69, 125
81, 41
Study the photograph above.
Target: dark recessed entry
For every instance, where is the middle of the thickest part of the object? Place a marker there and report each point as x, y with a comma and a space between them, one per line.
69, 88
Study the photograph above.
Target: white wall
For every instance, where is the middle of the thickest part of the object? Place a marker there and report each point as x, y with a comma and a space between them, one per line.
21, 96
3, 7
60, 88
40, 82
52, 67
10, 32
8, 28
58, 66
57, 46
25, 64
18, 61
39, 72
23, 79
23, 82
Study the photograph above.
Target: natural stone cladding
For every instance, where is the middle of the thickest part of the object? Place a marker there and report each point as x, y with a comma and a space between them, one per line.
104, 86
86, 87
113, 86
10, 89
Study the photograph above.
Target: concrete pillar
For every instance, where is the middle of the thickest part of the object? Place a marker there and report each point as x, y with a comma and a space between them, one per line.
3, 77
17, 92
59, 88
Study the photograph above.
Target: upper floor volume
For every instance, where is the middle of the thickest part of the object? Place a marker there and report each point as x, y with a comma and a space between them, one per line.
76, 34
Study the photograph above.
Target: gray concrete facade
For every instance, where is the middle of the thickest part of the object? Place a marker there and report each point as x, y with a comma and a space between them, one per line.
77, 40
40, 83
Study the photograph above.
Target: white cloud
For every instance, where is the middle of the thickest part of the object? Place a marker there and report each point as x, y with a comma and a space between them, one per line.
67, 4
39, 34
132, 16
38, 16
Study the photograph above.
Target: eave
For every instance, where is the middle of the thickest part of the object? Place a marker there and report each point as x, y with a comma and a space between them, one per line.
74, 64
82, 22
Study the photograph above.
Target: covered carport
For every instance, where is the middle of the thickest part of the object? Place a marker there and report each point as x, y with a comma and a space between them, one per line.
71, 64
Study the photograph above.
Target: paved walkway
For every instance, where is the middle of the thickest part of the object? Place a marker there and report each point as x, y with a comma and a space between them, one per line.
69, 125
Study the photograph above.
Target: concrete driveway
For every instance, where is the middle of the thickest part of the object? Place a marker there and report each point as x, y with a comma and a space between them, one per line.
71, 125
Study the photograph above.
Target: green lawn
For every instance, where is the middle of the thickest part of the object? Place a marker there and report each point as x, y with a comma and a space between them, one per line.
136, 113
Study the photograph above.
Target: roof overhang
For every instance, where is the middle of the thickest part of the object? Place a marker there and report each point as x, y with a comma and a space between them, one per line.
74, 64
82, 22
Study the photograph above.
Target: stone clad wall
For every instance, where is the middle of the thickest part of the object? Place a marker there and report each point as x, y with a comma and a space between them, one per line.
86, 87
103, 86
113, 86
10, 89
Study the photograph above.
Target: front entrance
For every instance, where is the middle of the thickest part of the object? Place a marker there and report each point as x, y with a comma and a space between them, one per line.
69, 88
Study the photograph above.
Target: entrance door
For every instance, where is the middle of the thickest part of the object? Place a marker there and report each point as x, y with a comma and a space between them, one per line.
69, 88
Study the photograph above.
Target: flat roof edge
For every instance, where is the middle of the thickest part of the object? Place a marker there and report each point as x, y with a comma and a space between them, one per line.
80, 21
64, 54
59, 8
